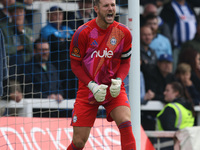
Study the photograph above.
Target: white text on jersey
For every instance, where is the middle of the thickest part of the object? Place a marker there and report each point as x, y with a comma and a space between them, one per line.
106, 54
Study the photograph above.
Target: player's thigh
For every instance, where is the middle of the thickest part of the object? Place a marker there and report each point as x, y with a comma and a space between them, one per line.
84, 114
119, 104
121, 114
81, 134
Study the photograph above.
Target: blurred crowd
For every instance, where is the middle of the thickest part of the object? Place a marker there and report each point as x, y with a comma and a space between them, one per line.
170, 63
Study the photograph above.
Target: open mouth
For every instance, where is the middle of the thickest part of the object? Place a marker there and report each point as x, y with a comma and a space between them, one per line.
110, 15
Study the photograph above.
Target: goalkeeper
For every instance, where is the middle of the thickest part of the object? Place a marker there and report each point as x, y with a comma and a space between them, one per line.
100, 53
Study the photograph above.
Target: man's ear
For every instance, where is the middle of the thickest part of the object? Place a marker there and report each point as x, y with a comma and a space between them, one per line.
96, 9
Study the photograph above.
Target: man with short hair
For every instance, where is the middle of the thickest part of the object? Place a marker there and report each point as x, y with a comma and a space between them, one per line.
59, 36
163, 27
100, 57
148, 55
41, 77
55, 28
160, 43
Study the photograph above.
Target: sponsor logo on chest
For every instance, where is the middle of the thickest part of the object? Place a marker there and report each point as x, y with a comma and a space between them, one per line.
105, 53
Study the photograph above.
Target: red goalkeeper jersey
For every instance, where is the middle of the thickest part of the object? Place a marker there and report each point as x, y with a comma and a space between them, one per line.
100, 53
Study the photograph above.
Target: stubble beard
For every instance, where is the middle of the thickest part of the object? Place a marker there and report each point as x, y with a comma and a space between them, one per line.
104, 18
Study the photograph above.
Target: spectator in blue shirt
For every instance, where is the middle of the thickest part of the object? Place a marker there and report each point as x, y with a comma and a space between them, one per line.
59, 37
55, 27
160, 43
151, 8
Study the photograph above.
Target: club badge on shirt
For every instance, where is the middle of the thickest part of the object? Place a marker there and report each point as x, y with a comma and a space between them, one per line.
74, 118
75, 52
113, 41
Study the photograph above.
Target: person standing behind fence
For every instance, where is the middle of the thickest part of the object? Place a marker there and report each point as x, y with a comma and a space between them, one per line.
147, 58
160, 44
178, 113
100, 57
55, 28
18, 45
147, 55
59, 37
182, 21
156, 77
18, 36
4, 13
9, 89
163, 28
41, 77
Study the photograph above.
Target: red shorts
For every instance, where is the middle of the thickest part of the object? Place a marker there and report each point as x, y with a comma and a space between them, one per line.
84, 114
